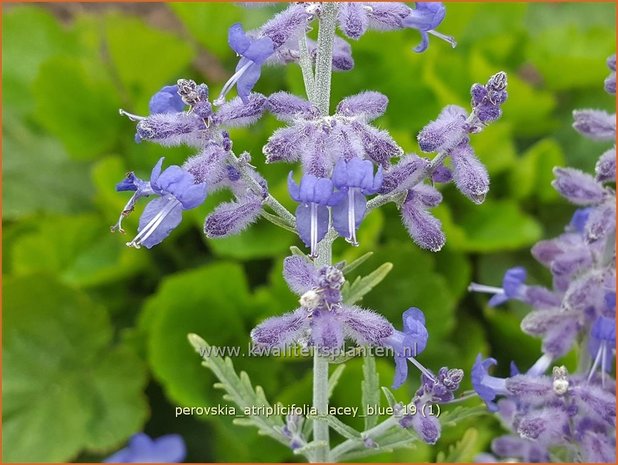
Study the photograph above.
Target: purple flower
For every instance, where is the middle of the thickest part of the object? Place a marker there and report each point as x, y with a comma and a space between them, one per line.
356, 180
199, 126
446, 132
140, 187
512, 287
470, 175
166, 100
322, 321
230, 218
142, 449
595, 124
610, 81
601, 345
578, 187
424, 229
253, 52
177, 191
487, 99
314, 195
486, 386
426, 17
605, 168
407, 344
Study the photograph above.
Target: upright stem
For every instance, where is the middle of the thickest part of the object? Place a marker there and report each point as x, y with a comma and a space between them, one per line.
324, 59
320, 96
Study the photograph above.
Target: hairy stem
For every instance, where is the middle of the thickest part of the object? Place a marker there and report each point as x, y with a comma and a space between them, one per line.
307, 68
324, 59
320, 96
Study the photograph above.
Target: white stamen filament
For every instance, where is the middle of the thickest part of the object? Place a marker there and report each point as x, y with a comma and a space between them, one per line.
422, 369
314, 230
128, 208
131, 116
230, 83
541, 365
474, 287
444, 37
597, 358
351, 218
153, 224
603, 354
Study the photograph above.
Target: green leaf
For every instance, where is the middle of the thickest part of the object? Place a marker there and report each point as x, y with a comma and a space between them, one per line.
205, 300
496, 225
362, 286
349, 267
38, 176
80, 109
334, 379
261, 240
452, 417
59, 363
532, 176
31, 36
239, 389
143, 66
84, 252
344, 430
463, 451
370, 390
390, 397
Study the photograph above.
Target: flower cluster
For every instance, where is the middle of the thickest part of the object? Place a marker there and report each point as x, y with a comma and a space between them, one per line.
568, 415
182, 114
277, 41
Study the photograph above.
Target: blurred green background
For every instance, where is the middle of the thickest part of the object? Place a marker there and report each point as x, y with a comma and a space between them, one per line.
94, 333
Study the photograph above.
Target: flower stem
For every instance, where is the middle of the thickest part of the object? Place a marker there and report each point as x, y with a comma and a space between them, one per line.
324, 59
320, 96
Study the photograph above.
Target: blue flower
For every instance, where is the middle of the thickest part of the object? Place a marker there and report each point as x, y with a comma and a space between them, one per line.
513, 287
602, 344
408, 344
486, 386
140, 187
426, 17
142, 449
177, 191
315, 196
253, 53
354, 178
167, 100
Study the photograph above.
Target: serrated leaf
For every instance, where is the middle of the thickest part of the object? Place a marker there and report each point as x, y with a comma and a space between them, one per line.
239, 388
59, 362
370, 390
362, 286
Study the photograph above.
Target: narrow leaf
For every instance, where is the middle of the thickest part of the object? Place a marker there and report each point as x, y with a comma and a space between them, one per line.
334, 379
390, 398
462, 451
356, 263
370, 390
345, 430
364, 285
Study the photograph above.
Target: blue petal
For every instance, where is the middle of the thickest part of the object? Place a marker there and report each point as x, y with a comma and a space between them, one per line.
293, 188
247, 81
169, 449
156, 172
259, 50
171, 220
426, 16
237, 39
340, 213
303, 222
424, 43
166, 100
401, 371
497, 299
193, 196
513, 281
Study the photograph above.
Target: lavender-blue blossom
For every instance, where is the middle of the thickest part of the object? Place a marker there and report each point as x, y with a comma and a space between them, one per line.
142, 449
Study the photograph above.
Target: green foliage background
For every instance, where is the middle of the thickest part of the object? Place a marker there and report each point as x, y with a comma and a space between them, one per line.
94, 333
